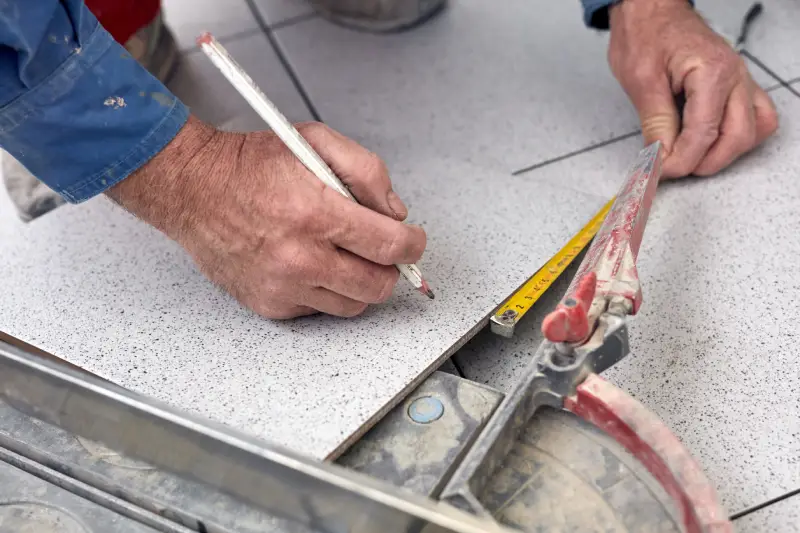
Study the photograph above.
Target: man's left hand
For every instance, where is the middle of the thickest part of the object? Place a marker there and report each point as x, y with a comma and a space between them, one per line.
660, 48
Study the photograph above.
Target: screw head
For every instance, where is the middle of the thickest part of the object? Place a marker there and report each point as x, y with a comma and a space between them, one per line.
425, 410
508, 315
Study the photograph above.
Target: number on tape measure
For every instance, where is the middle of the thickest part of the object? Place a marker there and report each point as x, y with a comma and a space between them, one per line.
506, 317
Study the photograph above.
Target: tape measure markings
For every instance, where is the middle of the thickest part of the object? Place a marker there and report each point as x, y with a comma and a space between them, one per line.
513, 309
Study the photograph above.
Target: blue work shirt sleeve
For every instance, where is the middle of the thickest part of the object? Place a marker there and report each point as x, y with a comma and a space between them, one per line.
595, 12
75, 108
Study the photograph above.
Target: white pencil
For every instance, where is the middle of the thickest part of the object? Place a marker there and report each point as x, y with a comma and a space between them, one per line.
289, 135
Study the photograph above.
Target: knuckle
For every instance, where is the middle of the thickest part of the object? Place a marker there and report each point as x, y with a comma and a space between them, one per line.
370, 170
642, 73
382, 284
406, 245
375, 168
304, 213
770, 121
293, 262
722, 63
418, 243
391, 249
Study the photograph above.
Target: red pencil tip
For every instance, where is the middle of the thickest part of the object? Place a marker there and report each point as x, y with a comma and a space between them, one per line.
426, 290
205, 38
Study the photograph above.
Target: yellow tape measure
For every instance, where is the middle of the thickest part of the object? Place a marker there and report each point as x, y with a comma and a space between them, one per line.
507, 316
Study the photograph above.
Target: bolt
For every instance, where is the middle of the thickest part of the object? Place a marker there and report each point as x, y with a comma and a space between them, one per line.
426, 410
508, 315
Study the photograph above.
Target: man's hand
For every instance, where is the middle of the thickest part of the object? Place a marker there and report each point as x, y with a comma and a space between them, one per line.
659, 48
259, 224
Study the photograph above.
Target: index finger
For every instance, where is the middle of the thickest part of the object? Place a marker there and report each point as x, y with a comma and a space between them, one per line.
371, 235
702, 116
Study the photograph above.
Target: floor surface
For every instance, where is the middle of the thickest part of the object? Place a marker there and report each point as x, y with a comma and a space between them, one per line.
527, 115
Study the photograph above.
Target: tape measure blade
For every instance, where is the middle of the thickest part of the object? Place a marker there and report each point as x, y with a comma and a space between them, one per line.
504, 320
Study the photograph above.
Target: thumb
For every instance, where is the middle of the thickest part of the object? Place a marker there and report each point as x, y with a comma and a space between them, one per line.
658, 113
363, 172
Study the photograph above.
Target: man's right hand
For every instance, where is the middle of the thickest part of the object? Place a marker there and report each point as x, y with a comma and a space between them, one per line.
259, 224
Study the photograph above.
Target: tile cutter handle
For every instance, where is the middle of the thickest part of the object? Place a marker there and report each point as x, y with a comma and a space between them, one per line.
607, 280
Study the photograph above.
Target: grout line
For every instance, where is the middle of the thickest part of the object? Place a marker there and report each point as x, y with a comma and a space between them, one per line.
767, 503
291, 21
780, 85
267, 31
771, 72
576, 152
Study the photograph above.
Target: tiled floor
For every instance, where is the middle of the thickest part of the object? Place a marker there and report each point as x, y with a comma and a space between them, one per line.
493, 88
779, 517
436, 90
713, 352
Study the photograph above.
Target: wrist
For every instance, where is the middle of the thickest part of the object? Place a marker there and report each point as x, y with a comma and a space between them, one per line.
164, 190
648, 5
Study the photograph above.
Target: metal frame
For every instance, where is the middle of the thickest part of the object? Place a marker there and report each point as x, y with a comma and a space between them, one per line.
551, 377
324, 497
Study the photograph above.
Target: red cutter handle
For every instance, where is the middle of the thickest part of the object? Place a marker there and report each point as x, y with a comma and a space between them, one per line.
608, 271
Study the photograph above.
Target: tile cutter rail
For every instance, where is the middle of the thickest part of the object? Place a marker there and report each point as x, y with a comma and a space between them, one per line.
474, 472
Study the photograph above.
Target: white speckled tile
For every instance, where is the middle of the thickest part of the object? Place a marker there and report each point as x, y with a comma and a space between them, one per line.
773, 39
98, 288
189, 18
780, 517
280, 11
715, 345
199, 84
600, 170
764, 80
501, 86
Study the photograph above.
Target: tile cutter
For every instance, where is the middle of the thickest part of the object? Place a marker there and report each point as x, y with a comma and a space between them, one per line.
460, 490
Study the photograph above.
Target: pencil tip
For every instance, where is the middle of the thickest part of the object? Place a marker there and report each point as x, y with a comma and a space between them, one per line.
426, 289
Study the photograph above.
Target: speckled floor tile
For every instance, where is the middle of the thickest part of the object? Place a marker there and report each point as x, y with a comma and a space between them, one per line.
212, 98
601, 169
773, 39
98, 288
189, 18
780, 517
761, 77
495, 86
714, 347
281, 11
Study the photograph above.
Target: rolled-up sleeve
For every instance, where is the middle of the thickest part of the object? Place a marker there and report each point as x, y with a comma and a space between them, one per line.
75, 108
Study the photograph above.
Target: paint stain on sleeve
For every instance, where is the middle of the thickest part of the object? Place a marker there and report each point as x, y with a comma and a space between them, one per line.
163, 99
115, 102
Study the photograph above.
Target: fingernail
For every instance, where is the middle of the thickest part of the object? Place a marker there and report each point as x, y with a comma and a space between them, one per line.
397, 205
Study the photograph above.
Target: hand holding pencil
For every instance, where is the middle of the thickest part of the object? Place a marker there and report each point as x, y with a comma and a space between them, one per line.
263, 227
292, 138
270, 217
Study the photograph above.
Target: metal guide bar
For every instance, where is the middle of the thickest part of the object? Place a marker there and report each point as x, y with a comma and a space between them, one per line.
511, 312
324, 497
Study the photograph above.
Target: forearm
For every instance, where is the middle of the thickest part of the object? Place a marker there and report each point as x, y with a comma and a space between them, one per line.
77, 110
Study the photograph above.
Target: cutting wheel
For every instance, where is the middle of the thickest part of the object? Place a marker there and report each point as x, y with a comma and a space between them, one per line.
565, 475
